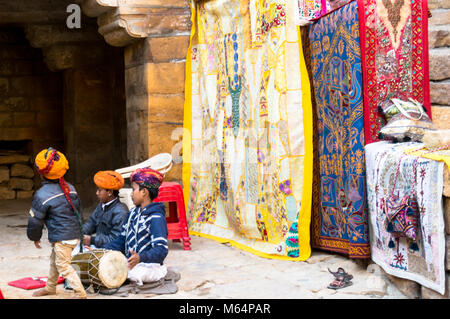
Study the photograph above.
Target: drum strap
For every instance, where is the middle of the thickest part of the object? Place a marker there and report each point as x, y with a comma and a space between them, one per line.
66, 190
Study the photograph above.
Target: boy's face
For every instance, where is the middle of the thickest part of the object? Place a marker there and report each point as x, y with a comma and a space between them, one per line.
104, 195
137, 195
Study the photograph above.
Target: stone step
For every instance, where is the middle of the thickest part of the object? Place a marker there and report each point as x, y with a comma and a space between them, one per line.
438, 35
439, 64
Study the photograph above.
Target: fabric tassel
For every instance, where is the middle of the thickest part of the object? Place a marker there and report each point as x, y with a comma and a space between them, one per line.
391, 244
414, 246
410, 212
390, 227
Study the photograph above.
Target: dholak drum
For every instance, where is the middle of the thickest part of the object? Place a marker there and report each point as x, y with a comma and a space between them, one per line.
101, 268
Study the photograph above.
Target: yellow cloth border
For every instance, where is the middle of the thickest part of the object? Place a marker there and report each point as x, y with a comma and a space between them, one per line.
434, 156
187, 117
304, 218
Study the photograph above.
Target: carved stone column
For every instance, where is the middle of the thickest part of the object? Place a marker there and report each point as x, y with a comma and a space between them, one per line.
155, 34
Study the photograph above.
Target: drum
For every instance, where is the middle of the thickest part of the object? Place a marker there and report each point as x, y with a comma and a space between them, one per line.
101, 267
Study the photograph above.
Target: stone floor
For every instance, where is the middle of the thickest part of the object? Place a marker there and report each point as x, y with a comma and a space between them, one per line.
209, 270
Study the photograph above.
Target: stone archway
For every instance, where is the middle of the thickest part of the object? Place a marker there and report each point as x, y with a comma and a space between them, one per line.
86, 115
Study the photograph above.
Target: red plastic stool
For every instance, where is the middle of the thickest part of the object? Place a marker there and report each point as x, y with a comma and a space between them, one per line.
1, 295
176, 221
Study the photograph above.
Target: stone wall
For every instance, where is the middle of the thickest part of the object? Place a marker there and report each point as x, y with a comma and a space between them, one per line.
439, 44
439, 53
30, 95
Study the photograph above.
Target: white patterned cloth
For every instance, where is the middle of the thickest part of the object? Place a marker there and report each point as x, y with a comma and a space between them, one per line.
425, 266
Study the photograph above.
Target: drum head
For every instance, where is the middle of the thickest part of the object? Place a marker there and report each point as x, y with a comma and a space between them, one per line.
113, 269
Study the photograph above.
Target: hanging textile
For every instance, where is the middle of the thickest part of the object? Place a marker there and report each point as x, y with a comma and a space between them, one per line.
309, 10
247, 148
394, 44
339, 222
424, 261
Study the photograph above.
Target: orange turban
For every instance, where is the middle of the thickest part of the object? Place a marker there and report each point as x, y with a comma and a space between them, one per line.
109, 180
51, 163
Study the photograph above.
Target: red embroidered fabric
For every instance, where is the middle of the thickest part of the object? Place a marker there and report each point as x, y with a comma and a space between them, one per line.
394, 52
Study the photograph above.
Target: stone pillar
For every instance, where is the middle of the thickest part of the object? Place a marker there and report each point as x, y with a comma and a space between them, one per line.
155, 35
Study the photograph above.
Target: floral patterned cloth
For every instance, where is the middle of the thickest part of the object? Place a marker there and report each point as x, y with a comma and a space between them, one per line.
425, 265
247, 147
339, 220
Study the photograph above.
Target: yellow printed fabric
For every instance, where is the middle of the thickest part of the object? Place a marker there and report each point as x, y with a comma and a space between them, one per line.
247, 146
439, 155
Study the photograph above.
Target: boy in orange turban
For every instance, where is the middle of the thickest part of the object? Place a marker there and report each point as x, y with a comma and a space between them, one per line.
57, 205
107, 219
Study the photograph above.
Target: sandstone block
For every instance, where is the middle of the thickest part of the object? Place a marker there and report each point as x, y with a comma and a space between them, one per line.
24, 194
446, 191
18, 133
438, 4
165, 107
24, 119
166, 78
440, 16
6, 120
165, 49
14, 104
428, 293
4, 174
410, 289
12, 159
6, 193
21, 183
438, 36
4, 86
440, 92
20, 170
447, 217
441, 116
447, 253
439, 64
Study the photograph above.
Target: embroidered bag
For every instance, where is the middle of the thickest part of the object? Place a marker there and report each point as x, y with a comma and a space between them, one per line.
402, 213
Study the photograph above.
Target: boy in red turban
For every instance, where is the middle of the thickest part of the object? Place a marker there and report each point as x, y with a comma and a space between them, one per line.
56, 204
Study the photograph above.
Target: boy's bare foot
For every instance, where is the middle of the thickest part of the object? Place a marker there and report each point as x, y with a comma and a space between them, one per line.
42, 292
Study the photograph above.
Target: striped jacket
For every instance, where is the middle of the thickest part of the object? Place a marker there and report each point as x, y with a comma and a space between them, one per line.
145, 232
50, 207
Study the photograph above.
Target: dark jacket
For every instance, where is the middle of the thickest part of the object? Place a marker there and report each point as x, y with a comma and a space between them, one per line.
106, 224
50, 207
145, 232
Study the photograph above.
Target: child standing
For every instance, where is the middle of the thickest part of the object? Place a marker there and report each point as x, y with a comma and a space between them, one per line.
56, 204
144, 234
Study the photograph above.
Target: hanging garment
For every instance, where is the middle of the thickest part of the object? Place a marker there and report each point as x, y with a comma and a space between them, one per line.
339, 221
421, 259
247, 145
394, 50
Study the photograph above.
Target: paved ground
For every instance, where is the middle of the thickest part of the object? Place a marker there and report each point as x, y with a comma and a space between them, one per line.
209, 270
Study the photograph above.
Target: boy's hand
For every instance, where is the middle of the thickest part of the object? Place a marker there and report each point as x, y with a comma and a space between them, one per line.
86, 240
134, 259
37, 244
